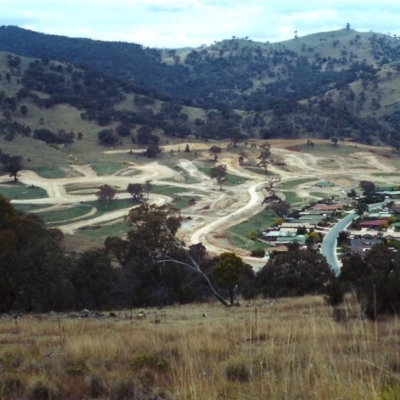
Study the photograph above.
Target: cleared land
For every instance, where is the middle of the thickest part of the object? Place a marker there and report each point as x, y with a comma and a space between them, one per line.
213, 211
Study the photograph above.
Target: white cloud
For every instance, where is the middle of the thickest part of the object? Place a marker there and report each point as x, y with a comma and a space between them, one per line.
181, 23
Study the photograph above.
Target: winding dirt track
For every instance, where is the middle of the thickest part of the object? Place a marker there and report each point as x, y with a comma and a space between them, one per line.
216, 210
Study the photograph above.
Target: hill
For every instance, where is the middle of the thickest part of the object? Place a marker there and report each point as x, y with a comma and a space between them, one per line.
334, 84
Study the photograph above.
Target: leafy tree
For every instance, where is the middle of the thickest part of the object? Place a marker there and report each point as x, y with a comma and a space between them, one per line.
215, 150
107, 137
375, 280
228, 272
219, 173
34, 272
144, 135
294, 273
152, 151
94, 278
236, 136
124, 130
367, 187
362, 208
24, 110
352, 194
136, 191
280, 208
152, 257
11, 165
264, 161
106, 193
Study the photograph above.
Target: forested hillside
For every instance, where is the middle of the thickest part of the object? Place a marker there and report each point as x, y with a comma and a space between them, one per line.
341, 84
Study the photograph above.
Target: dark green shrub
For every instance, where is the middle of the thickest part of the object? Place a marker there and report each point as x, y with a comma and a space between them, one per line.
260, 253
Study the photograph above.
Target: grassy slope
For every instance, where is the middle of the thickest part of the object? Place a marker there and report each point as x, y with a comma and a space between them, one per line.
286, 349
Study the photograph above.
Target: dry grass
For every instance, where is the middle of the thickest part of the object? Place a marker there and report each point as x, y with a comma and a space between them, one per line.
292, 349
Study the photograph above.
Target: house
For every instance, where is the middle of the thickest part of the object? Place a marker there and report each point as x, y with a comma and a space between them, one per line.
373, 223
300, 239
361, 246
395, 208
392, 194
326, 207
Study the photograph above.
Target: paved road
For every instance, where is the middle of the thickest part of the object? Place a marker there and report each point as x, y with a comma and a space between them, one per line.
328, 247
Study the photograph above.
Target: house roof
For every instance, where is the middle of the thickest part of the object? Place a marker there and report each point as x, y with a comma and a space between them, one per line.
373, 222
297, 224
327, 207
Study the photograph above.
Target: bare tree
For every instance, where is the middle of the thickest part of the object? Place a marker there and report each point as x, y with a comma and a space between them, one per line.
271, 197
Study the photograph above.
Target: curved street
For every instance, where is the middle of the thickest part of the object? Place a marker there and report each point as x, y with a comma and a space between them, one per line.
328, 247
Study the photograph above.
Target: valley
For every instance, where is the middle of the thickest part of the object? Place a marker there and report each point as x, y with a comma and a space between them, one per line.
212, 212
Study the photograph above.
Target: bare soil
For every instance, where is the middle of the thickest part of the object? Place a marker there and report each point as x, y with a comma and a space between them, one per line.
216, 210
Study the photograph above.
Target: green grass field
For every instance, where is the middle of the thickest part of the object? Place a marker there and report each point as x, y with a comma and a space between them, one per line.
168, 190
231, 180
108, 168
19, 191
239, 234
293, 199
184, 201
66, 214
294, 182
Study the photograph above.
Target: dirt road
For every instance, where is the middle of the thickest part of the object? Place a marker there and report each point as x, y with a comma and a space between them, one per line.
216, 210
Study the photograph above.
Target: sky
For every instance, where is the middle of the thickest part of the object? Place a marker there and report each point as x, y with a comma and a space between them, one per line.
192, 23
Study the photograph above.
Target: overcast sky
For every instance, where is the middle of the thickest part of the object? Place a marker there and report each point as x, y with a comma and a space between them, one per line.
182, 23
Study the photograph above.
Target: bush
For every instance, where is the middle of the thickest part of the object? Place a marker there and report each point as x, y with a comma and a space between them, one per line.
260, 253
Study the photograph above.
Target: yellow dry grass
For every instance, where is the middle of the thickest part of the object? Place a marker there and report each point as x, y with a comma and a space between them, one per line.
287, 349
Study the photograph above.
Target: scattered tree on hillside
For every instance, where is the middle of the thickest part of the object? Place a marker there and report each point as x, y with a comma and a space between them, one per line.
271, 197
334, 140
24, 110
136, 191
107, 137
280, 208
219, 173
215, 150
152, 151
106, 193
264, 160
228, 272
11, 165
236, 136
